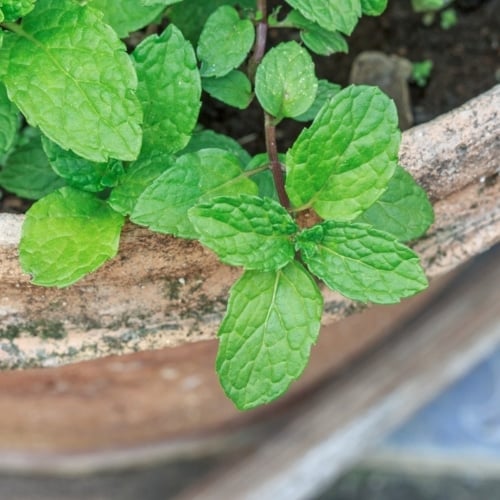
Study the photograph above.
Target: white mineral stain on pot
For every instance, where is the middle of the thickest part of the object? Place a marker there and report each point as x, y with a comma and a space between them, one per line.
191, 382
169, 373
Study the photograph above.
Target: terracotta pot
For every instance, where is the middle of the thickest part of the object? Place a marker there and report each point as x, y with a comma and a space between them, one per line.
160, 298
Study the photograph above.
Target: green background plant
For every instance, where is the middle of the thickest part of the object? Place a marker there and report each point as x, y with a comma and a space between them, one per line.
113, 134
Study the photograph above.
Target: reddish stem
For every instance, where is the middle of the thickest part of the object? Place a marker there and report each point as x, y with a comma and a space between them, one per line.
276, 167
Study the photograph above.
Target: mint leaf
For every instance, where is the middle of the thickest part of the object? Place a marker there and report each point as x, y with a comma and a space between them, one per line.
403, 210
169, 90
208, 139
9, 122
195, 177
80, 172
139, 175
428, 5
285, 83
342, 163
224, 42
373, 7
246, 231
361, 263
164, 3
26, 171
326, 90
272, 320
190, 16
264, 179
67, 235
233, 89
69, 74
126, 16
12, 10
332, 15
315, 38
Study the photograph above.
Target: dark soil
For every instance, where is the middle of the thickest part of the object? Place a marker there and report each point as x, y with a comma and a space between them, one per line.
466, 63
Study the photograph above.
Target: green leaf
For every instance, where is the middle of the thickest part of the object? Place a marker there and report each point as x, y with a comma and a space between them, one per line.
139, 175
264, 179
67, 235
317, 39
285, 83
190, 16
272, 320
12, 10
80, 172
233, 89
373, 7
195, 177
403, 210
9, 122
332, 15
361, 263
246, 231
342, 163
126, 16
326, 90
69, 74
208, 139
224, 42
163, 3
27, 172
428, 5
169, 90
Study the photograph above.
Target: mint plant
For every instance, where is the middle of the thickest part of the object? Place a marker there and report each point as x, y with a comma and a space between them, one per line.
113, 136
430, 8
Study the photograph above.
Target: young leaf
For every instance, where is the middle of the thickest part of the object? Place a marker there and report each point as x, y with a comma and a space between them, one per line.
342, 163
27, 172
169, 90
333, 15
373, 7
285, 83
80, 172
12, 10
9, 122
67, 235
233, 89
272, 320
361, 263
208, 139
69, 74
246, 231
195, 177
139, 175
126, 16
326, 90
403, 210
317, 39
224, 42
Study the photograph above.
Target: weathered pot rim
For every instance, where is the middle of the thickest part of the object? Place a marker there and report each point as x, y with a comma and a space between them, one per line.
174, 291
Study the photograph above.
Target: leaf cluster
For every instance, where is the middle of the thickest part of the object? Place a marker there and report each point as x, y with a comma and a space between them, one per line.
112, 135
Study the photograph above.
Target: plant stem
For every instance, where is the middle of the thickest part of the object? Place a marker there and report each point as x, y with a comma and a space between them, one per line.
259, 48
276, 167
270, 125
